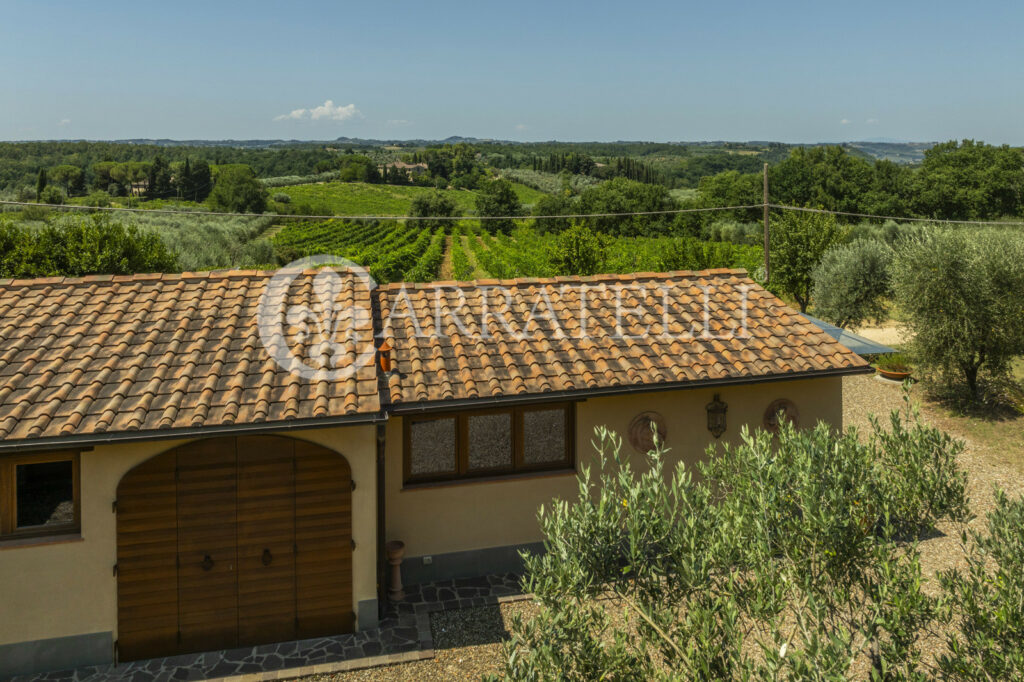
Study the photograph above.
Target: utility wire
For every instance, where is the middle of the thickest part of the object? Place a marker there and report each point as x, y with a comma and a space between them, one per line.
376, 217
674, 211
897, 218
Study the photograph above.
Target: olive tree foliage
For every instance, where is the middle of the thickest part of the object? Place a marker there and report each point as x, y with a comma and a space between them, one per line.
792, 557
962, 292
799, 240
985, 600
853, 282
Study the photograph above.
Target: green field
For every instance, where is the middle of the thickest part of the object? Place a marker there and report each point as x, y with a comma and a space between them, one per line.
357, 198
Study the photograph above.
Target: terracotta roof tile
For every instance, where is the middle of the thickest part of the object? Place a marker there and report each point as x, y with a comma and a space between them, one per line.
152, 352
534, 341
104, 354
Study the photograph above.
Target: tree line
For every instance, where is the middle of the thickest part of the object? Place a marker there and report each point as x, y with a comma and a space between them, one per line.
967, 180
20, 161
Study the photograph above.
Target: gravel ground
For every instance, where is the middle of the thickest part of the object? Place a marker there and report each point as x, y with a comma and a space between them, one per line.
468, 642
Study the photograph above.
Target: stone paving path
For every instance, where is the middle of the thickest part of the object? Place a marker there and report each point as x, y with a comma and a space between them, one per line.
404, 635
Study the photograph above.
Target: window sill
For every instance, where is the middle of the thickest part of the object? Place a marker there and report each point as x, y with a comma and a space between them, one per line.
39, 540
499, 478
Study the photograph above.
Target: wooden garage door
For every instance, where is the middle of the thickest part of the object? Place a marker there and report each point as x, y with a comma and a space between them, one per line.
232, 542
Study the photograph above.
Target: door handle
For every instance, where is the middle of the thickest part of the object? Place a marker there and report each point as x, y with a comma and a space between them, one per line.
267, 557
207, 563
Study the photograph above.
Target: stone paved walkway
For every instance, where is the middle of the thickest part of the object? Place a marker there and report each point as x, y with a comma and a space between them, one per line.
404, 635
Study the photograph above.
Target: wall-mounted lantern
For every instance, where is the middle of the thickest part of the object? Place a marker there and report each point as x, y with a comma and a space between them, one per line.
716, 416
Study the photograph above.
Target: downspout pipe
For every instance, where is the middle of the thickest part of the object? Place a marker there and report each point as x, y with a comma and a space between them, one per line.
381, 516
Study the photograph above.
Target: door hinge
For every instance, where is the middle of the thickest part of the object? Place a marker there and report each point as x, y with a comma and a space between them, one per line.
115, 570
353, 484
113, 507
353, 544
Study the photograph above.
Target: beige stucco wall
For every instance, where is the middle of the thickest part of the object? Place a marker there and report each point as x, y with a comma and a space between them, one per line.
57, 590
477, 515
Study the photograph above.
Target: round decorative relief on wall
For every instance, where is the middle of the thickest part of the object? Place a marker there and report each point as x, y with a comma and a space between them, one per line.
783, 407
641, 436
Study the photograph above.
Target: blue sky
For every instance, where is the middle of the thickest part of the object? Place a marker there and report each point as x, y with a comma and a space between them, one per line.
526, 70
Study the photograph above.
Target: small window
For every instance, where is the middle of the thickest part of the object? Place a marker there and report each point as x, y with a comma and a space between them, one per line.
544, 440
433, 447
40, 495
488, 443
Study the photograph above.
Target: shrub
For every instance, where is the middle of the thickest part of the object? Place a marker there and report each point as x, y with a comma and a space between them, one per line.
51, 195
798, 243
237, 190
497, 198
282, 198
852, 283
984, 600
76, 245
433, 204
99, 199
579, 251
781, 562
961, 293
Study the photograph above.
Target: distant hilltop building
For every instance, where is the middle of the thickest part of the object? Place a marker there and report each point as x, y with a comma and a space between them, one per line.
411, 169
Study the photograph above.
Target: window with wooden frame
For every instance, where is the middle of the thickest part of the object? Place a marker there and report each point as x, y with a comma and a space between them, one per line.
487, 443
39, 495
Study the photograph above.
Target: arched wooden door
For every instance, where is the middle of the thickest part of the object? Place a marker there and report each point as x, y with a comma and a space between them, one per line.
229, 542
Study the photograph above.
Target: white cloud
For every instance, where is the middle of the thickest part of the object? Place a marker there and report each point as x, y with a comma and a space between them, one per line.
328, 111
871, 121
64, 122
844, 121
295, 114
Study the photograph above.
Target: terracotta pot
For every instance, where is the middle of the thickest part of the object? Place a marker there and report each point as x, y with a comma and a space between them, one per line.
395, 551
895, 375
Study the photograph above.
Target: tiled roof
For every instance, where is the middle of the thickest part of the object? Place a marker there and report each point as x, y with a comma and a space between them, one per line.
92, 357
484, 359
103, 354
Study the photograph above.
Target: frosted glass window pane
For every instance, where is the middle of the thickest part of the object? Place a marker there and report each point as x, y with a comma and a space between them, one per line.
544, 436
432, 446
490, 441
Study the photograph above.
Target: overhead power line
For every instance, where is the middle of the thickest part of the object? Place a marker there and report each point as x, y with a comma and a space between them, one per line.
674, 211
873, 216
172, 211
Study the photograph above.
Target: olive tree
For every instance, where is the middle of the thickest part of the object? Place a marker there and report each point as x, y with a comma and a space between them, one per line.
793, 556
852, 283
961, 291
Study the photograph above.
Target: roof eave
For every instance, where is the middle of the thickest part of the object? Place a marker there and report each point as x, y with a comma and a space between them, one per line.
93, 439
626, 389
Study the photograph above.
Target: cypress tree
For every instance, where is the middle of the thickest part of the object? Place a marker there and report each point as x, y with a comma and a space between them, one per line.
40, 185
